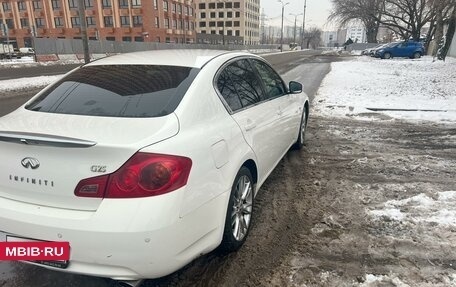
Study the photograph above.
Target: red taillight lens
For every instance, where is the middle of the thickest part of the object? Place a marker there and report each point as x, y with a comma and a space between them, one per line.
144, 175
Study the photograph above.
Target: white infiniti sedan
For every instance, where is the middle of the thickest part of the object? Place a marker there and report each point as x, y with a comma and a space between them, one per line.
145, 161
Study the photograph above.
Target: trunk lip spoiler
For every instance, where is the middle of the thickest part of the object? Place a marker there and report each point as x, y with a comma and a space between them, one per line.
44, 140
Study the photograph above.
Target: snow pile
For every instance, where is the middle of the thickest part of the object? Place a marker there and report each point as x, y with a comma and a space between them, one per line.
26, 83
408, 89
382, 280
439, 209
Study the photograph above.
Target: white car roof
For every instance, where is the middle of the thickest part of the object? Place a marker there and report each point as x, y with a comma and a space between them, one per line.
185, 58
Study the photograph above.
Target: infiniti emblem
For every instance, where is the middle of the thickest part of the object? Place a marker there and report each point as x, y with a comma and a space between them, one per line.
30, 162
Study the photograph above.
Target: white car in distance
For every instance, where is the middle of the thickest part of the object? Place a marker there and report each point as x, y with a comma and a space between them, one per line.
145, 161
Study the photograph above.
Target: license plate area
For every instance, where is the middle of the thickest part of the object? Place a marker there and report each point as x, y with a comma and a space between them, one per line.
62, 264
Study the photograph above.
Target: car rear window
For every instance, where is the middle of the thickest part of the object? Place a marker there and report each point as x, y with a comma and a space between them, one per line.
117, 91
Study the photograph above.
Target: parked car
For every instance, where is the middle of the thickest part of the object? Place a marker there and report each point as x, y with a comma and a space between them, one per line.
145, 161
408, 49
27, 51
369, 51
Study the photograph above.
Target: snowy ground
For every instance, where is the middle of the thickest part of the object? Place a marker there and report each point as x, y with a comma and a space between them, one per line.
26, 84
401, 88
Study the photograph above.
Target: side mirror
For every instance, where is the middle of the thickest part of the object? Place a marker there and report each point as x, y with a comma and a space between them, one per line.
295, 87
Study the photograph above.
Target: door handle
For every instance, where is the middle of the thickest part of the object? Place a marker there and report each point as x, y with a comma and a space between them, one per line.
250, 125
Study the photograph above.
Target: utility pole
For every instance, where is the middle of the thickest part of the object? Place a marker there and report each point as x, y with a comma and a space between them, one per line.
303, 24
294, 32
85, 40
281, 27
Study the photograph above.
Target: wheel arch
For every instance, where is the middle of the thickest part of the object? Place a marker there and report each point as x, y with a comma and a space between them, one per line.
252, 167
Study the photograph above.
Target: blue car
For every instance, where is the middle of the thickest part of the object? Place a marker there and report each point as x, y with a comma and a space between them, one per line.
408, 49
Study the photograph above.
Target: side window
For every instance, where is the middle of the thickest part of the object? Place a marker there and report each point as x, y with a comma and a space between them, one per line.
226, 88
273, 84
244, 82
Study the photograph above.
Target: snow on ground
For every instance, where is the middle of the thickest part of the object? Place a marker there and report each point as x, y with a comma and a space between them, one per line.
30, 62
26, 83
409, 89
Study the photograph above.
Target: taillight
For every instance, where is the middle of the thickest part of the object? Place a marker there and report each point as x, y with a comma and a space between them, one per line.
143, 175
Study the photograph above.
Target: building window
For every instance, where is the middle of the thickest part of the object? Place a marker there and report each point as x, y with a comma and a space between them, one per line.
157, 39
9, 23
211, 5
36, 5
21, 6
229, 33
75, 22
6, 6
174, 24
107, 4
157, 22
88, 3
238, 14
24, 23
126, 39
73, 3
108, 21
228, 5
221, 14
179, 9
136, 3
156, 4
212, 24
55, 4
167, 40
58, 22
110, 38
39, 22
228, 24
165, 5
220, 24
202, 6
190, 11
174, 7
229, 14
139, 39
137, 21
166, 23
237, 5
91, 21
202, 24
125, 21
203, 15
238, 33
123, 3
212, 14
236, 23
220, 5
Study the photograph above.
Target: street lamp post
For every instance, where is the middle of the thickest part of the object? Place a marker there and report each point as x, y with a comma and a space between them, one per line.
281, 30
294, 33
303, 24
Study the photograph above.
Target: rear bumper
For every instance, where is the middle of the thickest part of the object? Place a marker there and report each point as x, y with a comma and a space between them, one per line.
124, 239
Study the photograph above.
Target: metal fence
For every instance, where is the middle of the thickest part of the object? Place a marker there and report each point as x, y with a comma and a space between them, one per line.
44, 46
360, 46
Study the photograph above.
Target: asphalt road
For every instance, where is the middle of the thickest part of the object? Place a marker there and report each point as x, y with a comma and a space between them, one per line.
210, 270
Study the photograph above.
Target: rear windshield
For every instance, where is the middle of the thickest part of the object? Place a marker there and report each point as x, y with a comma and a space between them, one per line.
117, 91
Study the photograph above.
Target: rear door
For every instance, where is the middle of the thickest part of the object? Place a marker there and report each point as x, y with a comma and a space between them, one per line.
257, 117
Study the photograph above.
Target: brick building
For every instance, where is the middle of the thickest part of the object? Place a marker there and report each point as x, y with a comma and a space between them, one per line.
114, 20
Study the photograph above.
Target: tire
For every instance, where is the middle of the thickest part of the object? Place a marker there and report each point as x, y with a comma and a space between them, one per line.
239, 212
387, 56
416, 55
302, 131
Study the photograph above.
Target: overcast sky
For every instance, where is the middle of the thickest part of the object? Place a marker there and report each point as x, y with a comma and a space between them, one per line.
316, 14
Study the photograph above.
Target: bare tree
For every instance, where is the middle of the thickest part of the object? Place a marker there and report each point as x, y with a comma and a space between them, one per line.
443, 9
368, 12
312, 37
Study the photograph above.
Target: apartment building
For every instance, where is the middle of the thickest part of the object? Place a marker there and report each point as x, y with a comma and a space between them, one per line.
229, 21
113, 20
